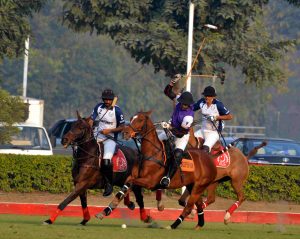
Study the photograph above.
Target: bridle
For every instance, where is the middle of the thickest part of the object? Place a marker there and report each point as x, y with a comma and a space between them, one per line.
81, 138
142, 136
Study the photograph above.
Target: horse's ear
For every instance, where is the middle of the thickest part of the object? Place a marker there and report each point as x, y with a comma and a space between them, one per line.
148, 113
78, 115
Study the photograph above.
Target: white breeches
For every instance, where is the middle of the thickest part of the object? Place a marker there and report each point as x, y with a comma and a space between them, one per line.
210, 137
109, 148
180, 143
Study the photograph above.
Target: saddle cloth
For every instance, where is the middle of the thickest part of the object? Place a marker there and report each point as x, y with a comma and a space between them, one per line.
119, 161
222, 161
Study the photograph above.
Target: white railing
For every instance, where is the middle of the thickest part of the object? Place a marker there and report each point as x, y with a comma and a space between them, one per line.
244, 131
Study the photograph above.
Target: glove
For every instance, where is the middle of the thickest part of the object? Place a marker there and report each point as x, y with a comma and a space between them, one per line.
212, 118
176, 78
165, 125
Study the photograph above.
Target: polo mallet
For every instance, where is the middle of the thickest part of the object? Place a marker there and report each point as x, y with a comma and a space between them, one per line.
209, 26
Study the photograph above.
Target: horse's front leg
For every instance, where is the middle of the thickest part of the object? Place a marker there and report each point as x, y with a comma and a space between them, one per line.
85, 210
137, 190
125, 190
79, 188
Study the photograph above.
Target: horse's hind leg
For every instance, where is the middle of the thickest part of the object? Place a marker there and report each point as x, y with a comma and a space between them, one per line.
238, 188
159, 203
195, 197
85, 210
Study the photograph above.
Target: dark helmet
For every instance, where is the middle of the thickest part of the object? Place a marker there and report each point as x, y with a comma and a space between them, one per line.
209, 91
186, 98
108, 94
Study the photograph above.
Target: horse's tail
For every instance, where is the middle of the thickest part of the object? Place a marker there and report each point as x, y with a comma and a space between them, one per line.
255, 149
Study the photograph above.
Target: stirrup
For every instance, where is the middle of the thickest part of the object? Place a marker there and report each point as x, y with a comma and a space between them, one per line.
165, 181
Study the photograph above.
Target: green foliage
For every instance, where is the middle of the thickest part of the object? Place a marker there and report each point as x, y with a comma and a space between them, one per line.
12, 110
15, 28
268, 183
155, 32
53, 174
35, 173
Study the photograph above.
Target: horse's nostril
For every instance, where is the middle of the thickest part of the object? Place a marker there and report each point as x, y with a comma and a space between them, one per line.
63, 141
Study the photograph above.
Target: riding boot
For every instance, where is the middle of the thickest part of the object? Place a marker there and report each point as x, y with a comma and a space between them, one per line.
108, 177
205, 148
165, 181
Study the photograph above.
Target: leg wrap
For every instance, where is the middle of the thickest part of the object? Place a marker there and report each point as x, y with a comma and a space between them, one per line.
54, 215
200, 217
233, 207
86, 214
177, 222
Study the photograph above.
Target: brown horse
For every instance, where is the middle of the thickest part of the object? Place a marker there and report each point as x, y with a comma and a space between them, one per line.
86, 171
237, 172
152, 168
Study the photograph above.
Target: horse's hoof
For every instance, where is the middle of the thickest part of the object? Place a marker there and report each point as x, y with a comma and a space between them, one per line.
99, 215
148, 220
197, 228
83, 222
47, 222
131, 205
160, 206
227, 218
168, 227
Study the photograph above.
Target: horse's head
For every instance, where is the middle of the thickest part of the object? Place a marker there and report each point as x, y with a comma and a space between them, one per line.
138, 125
80, 132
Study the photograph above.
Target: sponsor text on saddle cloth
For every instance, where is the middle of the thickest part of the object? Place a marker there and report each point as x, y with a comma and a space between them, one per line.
119, 162
222, 161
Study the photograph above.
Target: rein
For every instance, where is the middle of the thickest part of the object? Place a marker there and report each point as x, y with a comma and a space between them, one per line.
143, 137
77, 145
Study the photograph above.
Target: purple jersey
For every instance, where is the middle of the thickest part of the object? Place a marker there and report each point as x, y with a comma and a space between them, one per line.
178, 118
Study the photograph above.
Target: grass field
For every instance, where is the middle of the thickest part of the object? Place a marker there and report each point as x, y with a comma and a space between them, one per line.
30, 227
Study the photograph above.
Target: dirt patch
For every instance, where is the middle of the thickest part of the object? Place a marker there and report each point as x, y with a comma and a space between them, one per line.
169, 201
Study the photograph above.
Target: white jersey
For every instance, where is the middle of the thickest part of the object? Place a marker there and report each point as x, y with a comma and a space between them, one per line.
215, 109
106, 119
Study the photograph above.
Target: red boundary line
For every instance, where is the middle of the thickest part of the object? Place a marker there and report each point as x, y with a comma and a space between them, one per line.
167, 214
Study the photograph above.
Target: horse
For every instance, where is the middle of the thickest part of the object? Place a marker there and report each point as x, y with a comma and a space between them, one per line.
152, 168
86, 173
236, 170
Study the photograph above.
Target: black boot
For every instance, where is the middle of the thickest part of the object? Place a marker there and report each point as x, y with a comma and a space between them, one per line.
108, 177
165, 181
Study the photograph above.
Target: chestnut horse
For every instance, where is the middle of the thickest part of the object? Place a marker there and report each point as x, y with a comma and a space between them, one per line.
237, 172
86, 171
152, 168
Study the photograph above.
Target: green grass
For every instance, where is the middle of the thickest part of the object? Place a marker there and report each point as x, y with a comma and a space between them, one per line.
30, 227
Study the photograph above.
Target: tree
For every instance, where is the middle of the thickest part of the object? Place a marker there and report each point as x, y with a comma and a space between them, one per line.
15, 27
155, 32
12, 110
